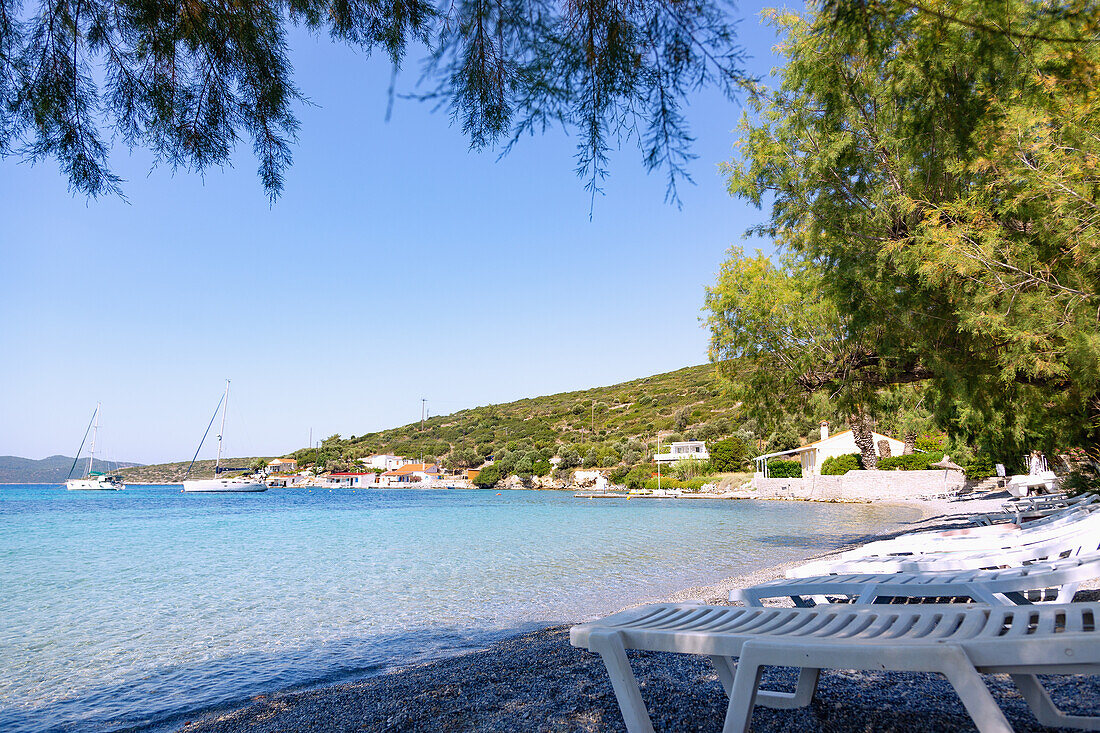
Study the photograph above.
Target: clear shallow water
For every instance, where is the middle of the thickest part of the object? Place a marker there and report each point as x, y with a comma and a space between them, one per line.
136, 607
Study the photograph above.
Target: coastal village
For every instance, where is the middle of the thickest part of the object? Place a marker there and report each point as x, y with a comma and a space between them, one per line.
811, 481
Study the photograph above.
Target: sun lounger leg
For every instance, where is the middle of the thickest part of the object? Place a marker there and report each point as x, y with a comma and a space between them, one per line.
1066, 593
975, 696
725, 668
1046, 712
743, 695
609, 645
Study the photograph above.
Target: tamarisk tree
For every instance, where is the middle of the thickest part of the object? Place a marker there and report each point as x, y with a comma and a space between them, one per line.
188, 78
933, 176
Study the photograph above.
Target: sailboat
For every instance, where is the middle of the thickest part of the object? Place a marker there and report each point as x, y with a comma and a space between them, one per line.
92, 480
239, 484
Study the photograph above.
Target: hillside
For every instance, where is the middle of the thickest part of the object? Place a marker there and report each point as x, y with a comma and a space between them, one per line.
619, 423
51, 470
172, 473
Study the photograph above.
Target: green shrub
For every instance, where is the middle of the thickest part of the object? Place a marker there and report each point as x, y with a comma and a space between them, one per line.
979, 468
1082, 480
911, 462
488, 477
785, 469
729, 455
637, 476
931, 443
840, 465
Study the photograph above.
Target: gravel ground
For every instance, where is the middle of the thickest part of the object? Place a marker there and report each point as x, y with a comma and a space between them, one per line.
538, 682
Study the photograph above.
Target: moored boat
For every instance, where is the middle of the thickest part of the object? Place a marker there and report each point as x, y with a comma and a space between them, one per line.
92, 480
236, 484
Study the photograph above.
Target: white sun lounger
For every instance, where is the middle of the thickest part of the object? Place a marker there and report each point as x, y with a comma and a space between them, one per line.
955, 641
1069, 546
998, 587
1080, 522
1021, 512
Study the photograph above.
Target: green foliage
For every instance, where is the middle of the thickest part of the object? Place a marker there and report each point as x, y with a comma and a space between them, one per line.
979, 468
933, 184
730, 454
488, 477
690, 468
542, 427
187, 82
541, 467
785, 469
1081, 480
911, 462
930, 443
637, 477
840, 465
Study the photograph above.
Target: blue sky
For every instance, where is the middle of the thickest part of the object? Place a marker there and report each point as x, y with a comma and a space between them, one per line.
397, 265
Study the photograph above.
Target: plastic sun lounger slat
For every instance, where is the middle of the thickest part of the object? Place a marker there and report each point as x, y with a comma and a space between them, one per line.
956, 641
1077, 521
1071, 544
989, 586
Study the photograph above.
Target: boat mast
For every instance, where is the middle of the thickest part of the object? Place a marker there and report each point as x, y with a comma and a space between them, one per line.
95, 430
225, 409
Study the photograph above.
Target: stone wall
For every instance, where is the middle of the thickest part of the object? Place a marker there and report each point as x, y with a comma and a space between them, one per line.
859, 486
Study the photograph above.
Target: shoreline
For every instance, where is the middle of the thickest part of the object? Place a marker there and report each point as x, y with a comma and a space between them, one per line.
536, 681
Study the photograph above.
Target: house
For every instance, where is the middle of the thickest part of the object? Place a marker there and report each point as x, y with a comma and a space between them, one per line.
350, 480
385, 461
413, 472
830, 446
282, 465
679, 451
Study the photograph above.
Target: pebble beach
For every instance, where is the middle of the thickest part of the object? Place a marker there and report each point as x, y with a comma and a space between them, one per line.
538, 682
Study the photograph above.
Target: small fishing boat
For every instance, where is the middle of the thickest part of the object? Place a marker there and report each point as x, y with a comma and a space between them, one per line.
92, 480
237, 484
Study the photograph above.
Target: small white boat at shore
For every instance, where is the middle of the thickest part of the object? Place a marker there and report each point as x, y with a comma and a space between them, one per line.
92, 480
235, 485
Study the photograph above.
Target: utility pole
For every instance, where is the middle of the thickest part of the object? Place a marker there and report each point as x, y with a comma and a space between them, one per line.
423, 407
592, 427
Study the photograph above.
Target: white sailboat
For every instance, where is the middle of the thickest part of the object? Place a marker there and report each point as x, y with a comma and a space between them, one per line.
92, 480
218, 484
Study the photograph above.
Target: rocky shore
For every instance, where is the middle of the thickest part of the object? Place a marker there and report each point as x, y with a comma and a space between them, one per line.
538, 682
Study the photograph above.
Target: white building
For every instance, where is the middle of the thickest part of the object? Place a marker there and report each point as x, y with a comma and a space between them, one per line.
349, 480
682, 450
385, 461
282, 465
830, 446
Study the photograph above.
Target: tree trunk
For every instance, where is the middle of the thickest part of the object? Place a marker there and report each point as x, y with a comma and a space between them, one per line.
861, 431
884, 448
910, 442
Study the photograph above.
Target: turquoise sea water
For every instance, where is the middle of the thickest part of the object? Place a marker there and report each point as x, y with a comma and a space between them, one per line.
140, 607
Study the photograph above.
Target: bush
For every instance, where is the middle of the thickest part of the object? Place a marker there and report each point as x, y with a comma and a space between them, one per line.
570, 459
1080, 481
930, 443
671, 483
728, 455
979, 468
911, 462
784, 469
840, 465
637, 476
488, 477
541, 468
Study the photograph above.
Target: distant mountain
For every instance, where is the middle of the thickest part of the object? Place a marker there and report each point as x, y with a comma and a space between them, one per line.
52, 470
